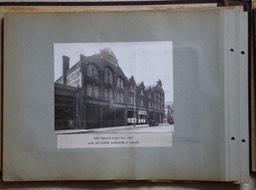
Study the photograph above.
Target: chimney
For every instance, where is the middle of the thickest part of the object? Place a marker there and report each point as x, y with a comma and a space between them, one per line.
65, 68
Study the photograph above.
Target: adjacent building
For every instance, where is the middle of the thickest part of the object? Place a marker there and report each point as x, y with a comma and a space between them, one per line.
95, 93
169, 114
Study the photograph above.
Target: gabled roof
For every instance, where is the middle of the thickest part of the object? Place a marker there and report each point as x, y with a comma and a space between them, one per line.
141, 84
132, 80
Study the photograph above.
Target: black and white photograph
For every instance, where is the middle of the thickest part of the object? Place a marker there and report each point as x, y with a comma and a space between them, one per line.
113, 87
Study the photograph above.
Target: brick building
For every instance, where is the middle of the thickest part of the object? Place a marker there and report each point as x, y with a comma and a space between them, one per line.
95, 93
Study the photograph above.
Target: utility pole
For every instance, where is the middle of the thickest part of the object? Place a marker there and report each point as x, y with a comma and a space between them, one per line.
134, 106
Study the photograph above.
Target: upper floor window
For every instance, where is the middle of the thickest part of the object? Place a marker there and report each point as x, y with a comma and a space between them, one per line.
141, 92
149, 104
92, 90
108, 76
141, 102
120, 97
132, 99
155, 96
120, 82
132, 88
108, 94
92, 71
96, 91
89, 90
149, 94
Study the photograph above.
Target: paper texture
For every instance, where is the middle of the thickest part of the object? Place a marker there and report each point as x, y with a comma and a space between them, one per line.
114, 140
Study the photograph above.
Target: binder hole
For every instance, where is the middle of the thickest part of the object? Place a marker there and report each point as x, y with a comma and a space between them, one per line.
231, 50
242, 52
243, 140
232, 138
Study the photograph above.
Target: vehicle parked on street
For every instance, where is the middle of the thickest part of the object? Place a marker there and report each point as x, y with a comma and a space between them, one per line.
152, 122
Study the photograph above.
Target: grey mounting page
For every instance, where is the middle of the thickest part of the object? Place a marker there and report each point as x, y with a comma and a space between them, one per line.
210, 83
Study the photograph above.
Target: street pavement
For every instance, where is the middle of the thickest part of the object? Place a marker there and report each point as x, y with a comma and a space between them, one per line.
163, 127
138, 128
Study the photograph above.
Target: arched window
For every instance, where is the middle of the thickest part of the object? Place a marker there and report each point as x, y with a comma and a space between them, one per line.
120, 82
108, 76
92, 71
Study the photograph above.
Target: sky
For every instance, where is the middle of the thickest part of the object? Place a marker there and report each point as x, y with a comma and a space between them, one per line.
146, 61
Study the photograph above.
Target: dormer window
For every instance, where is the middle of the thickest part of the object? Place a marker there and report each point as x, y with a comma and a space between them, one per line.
141, 92
120, 82
132, 88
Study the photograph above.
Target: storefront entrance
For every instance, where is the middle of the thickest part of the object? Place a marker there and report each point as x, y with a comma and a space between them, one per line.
64, 112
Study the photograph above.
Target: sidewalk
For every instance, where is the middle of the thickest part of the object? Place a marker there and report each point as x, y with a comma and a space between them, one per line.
163, 127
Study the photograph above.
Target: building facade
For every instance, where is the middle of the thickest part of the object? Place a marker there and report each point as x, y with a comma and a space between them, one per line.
95, 93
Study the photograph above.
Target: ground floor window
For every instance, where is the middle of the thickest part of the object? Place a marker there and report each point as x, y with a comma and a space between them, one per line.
102, 116
64, 112
131, 117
